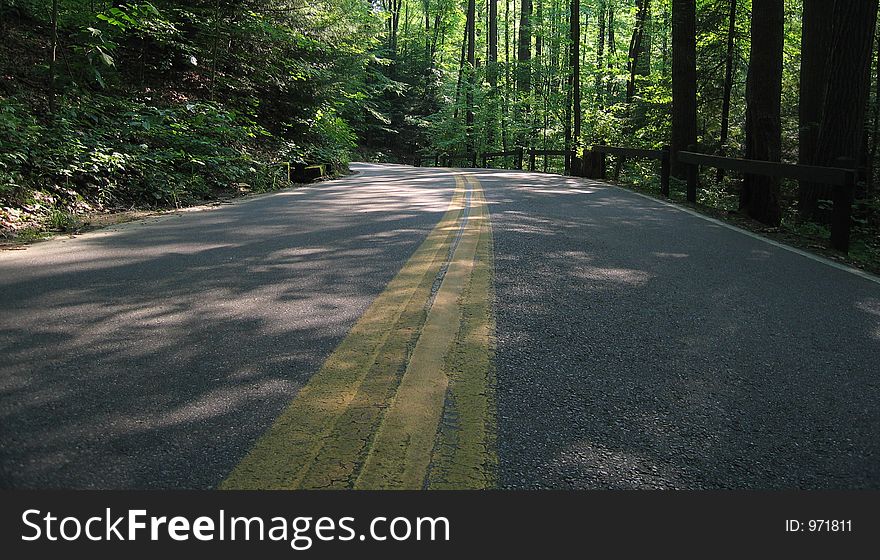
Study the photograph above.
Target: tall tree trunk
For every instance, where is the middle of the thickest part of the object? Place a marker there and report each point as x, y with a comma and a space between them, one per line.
492, 73
492, 67
664, 43
647, 47
471, 72
437, 21
841, 126
537, 64
426, 9
728, 84
636, 47
875, 131
505, 108
523, 79
53, 59
574, 79
461, 61
585, 28
612, 50
600, 55
816, 36
760, 195
575, 66
684, 80
394, 23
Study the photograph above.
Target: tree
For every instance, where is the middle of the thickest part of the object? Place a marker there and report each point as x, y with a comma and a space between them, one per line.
471, 72
575, 38
841, 125
492, 71
816, 36
53, 57
684, 80
637, 51
524, 55
760, 195
600, 54
728, 84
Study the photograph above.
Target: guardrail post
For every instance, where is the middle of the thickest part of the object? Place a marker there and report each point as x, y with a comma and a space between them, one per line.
693, 178
842, 198
665, 170
588, 169
618, 166
531, 159
299, 173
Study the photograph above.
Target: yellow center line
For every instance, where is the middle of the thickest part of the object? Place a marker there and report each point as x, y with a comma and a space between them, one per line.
402, 449
370, 417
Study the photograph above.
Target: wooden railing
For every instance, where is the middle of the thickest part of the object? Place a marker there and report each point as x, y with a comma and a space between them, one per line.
842, 178
592, 163
516, 154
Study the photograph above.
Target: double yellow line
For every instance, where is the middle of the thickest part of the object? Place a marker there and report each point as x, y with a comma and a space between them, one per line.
407, 398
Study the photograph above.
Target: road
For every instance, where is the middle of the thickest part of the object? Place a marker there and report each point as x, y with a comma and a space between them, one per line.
636, 345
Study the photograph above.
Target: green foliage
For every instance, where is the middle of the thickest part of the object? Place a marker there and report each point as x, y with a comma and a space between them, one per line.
165, 103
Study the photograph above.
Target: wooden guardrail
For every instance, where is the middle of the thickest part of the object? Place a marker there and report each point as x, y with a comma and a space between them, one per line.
592, 164
517, 154
842, 178
595, 165
471, 158
533, 155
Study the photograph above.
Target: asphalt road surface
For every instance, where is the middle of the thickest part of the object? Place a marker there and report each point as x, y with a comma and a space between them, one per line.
638, 345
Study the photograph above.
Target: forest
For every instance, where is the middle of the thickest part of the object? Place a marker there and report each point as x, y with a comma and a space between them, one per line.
108, 105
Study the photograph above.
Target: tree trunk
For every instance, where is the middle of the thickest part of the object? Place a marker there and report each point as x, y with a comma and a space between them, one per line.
505, 108
575, 37
53, 58
612, 49
462, 59
684, 80
574, 80
471, 67
816, 37
492, 67
841, 126
760, 195
636, 47
394, 22
600, 54
524, 56
664, 43
728, 84
492, 73
426, 9
523, 77
875, 141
